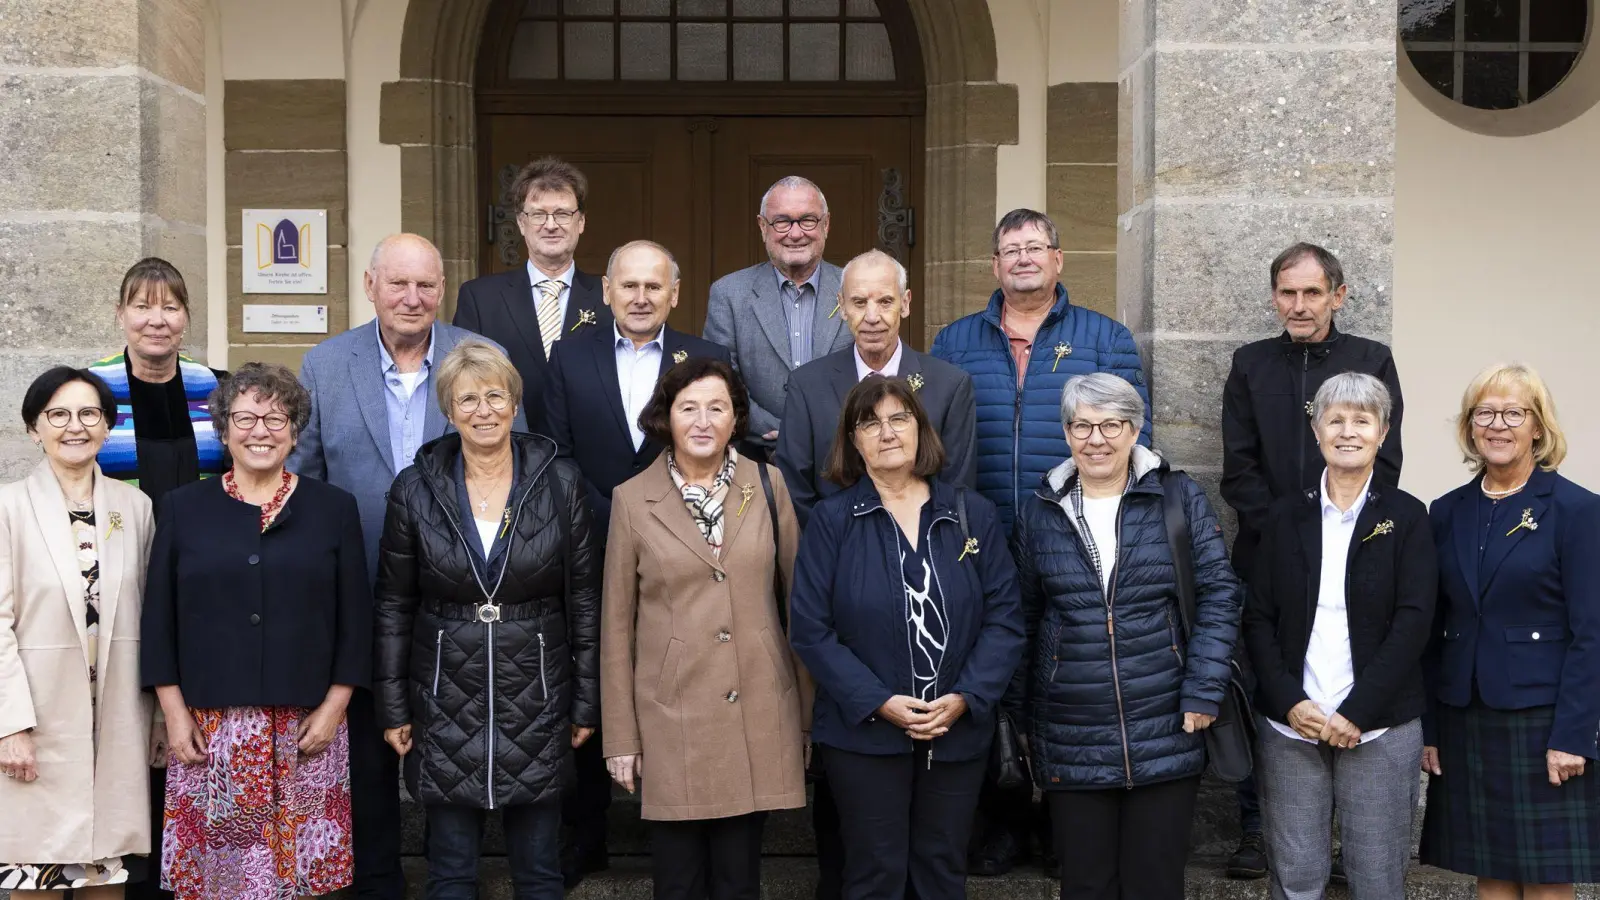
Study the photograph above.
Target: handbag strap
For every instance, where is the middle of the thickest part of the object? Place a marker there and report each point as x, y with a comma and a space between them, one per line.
1177, 520
777, 549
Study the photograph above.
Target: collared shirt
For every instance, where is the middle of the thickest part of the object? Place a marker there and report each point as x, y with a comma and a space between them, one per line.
535, 276
1329, 673
891, 369
406, 399
637, 370
800, 312
1021, 346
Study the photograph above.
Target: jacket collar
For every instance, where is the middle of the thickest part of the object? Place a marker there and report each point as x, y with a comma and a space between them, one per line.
864, 498
1535, 499
436, 462
1318, 349
997, 300
666, 504
1057, 482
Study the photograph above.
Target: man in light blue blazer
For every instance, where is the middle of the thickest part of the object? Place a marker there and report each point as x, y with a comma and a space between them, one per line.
372, 405
776, 316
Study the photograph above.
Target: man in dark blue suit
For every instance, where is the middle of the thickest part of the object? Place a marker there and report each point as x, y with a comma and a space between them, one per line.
597, 383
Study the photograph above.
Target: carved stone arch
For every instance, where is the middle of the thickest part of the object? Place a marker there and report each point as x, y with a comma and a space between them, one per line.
428, 113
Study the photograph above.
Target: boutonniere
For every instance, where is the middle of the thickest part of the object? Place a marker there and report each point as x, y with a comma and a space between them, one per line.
116, 523
1384, 527
585, 317
1309, 407
1062, 352
746, 491
834, 312
679, 356
1527, 522
971, 547
914, 380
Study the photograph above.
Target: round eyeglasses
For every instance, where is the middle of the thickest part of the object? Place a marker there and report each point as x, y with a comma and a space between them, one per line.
246, 421
61, 417
497, 400
899, 423
1110, 429
1484, 417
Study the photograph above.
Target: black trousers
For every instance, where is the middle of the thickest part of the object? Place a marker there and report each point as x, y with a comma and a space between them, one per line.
830, 842
905, 822
374, 804
718, 859
1120, 844
583, 809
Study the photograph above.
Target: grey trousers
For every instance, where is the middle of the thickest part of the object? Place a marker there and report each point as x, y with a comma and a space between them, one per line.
1375, 787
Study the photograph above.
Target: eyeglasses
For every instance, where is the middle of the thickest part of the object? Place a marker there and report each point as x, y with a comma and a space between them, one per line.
537, 217
1012, 254
497, 400
1484, 417
1110, 429
782, 224
246, 421
61, 417
899, 423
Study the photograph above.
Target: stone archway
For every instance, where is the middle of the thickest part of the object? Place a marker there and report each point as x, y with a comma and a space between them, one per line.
428, 113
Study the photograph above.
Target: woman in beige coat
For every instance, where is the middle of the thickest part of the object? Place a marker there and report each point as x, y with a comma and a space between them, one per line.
702, 704
74, 725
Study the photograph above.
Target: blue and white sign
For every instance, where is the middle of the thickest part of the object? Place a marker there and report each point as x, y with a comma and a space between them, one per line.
285, 251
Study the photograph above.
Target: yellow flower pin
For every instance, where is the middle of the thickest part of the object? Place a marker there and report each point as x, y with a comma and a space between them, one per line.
116, 523
746, 491
970, 547
679, 356
585, 317
914, 380
835, 311
1384, 527
1062, 352
1527, 522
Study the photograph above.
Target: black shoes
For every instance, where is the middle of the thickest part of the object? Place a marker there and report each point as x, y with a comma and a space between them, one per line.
1250, 860
999, 853
577, 863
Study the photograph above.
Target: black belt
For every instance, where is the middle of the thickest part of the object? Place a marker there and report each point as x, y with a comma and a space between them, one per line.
484, 612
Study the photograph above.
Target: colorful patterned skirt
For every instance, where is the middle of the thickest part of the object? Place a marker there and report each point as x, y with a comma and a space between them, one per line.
258, 821
1494, 813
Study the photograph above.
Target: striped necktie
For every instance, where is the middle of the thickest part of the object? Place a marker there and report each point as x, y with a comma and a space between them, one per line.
549, 313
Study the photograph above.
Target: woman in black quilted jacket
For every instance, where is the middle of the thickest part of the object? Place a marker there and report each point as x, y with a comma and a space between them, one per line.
1113, 694
488, 630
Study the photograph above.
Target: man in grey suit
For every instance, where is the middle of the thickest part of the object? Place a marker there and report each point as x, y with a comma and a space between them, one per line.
873, 300
776, 316
372, 406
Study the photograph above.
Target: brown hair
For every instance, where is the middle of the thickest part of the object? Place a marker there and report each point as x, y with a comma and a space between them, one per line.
846, 464
153, 271
656, 420
1330, 265
1549, 448
548, 173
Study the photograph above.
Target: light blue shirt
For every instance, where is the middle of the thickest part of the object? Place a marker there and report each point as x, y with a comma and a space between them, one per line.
407, 404
800, 312
637, 370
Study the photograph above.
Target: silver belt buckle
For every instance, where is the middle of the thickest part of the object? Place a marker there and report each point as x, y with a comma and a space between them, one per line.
488, 613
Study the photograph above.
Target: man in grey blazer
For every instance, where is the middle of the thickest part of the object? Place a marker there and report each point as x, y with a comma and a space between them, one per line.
872, 300
372, 406
776, 316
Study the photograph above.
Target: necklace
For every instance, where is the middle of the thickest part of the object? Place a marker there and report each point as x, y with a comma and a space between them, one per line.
269, 509
483, 504
1483, 485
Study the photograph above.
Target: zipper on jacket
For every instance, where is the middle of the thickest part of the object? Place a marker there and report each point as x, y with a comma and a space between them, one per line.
1016, 449
933, 568
542, 683
1173, 630
1111, 638
1305, 368
438, 659
488, 732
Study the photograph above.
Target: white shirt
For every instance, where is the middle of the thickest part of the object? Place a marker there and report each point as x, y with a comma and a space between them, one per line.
487, 532
891, 369
1101, 514
535, 276
1330, 672
637, 370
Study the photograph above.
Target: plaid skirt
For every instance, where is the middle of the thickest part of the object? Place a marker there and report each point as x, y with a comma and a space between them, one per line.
1494, 814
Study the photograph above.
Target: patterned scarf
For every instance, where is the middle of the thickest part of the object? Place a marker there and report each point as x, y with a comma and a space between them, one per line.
705, 506
1076, 496
119, 458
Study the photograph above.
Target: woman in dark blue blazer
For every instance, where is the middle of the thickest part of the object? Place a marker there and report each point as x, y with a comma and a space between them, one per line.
1514, 661
909, 621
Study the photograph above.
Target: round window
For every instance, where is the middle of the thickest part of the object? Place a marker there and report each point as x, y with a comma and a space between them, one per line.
1494, 54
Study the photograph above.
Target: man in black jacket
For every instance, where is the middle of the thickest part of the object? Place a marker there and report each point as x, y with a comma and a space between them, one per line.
1269, 449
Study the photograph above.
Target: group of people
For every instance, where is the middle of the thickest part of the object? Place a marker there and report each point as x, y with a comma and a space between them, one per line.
558, 545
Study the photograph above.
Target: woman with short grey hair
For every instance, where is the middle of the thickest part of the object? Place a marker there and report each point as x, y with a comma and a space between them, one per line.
1339, 615
1115, 691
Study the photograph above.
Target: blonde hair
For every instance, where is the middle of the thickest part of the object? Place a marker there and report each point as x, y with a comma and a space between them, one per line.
475, 359
1549, 448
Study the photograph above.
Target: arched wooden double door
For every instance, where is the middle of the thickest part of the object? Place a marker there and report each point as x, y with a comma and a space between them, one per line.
682, 112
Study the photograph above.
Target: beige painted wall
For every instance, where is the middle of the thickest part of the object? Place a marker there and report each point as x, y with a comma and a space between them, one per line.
1491, 240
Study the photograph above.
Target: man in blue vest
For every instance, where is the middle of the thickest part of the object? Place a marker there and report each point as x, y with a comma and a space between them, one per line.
1020, 351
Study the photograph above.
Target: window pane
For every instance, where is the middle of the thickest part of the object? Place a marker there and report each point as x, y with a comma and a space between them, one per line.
1493, 20
1558, 20
646, 51
647, 7
1439, 69
702, 51
540, 8
814, 52
861, 9
533, 51
589, 51
1428, 20
868, 56
1490, 81
758, 52
1545, 71
772, 8
813, 9
718, 8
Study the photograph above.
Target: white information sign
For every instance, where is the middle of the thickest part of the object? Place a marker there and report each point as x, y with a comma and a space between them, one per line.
285, 251
270, 319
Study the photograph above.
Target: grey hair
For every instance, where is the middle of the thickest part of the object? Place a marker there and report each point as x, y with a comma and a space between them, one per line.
1355, 390
793, 183
902, 280
393, 239
1105, 391
275, 384
1018, 219
611, 263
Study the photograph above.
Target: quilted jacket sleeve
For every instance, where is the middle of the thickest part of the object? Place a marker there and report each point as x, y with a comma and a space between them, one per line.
583, 595
397, 596
1217, 608
1031, 591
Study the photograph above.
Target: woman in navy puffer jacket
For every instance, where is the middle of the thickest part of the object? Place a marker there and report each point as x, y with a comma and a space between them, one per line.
1112, 696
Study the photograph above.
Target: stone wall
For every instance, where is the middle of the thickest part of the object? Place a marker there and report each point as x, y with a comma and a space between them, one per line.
104, 135
1081, 177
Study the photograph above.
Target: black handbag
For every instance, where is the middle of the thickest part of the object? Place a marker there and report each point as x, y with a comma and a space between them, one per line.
1231, 739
